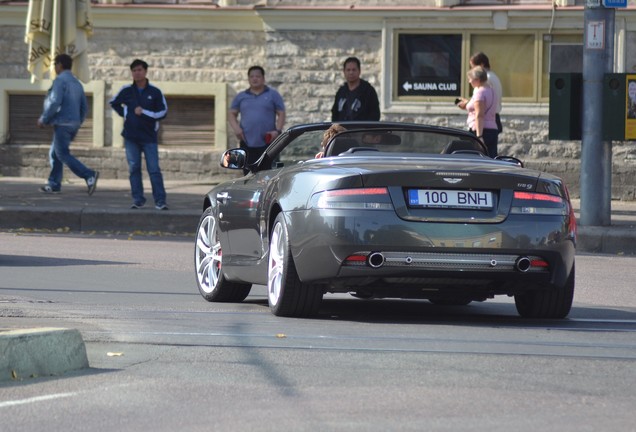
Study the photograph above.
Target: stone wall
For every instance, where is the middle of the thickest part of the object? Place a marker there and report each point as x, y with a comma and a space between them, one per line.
306, 67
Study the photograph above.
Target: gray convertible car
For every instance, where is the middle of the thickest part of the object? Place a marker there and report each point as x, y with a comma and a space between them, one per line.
392, 210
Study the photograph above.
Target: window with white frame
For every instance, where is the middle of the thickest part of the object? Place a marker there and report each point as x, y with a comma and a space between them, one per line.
432, 67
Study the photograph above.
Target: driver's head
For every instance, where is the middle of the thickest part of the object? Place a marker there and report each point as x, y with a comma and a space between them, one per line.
334, 130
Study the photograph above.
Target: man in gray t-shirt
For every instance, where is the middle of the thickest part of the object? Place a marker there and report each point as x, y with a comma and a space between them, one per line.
262, 115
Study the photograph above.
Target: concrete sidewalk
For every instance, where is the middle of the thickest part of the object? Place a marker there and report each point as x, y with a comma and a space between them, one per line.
22, 206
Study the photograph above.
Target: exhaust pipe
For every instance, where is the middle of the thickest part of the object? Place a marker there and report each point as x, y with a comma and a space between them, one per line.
522, 264
375, 260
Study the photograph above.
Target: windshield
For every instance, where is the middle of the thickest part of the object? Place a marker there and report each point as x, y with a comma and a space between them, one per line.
376, 141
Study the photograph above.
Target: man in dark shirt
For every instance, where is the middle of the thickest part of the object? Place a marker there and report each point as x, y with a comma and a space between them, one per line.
142, 106
356, 99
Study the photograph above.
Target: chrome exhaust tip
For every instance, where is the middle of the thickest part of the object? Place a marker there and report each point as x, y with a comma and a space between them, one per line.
375, 260
522, 264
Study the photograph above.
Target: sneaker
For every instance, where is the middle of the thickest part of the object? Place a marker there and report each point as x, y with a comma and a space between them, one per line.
136, 206
91, 182
161, 207
49, 190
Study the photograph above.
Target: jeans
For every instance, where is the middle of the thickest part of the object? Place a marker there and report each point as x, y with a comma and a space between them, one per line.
134, 149
60, 155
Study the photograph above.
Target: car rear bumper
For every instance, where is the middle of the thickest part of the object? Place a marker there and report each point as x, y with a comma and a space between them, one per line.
487, 252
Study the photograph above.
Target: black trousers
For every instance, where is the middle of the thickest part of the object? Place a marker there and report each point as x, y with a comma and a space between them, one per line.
490, 138
253, 154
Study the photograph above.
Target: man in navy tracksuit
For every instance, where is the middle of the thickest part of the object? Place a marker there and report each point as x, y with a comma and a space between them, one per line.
142, 105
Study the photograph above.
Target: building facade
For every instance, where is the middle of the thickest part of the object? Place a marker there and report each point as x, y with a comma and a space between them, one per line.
415, 53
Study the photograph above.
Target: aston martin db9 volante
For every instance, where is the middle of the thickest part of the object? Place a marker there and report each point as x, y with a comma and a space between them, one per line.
392, 210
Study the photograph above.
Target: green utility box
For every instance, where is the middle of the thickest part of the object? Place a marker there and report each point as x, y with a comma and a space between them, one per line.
614, 105
566, 113
565, 106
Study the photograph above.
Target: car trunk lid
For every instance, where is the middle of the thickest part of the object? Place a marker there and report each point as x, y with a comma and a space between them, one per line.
465, 190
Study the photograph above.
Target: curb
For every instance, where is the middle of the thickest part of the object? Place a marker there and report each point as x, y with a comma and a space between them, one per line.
88, 219
617, 241
45, 351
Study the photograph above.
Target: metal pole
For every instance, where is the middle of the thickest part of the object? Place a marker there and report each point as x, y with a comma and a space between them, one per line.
596, 154
607, 145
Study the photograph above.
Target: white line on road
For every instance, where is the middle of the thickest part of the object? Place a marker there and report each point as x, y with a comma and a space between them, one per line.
36, 399
604, 320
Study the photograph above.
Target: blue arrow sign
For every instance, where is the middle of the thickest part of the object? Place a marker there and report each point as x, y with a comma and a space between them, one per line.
615, 3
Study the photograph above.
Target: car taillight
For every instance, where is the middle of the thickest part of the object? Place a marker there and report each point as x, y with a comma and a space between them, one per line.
538, 203
358, 198
573, 226
355, 260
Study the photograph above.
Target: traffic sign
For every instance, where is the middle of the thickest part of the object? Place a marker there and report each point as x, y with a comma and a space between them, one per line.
615, 3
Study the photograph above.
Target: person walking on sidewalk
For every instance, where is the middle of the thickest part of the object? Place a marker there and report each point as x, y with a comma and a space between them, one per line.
65, 108
142, 105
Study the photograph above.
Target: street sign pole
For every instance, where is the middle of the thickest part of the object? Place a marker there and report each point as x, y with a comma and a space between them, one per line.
596, 154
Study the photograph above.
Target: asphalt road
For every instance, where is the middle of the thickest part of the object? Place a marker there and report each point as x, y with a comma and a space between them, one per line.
161, 358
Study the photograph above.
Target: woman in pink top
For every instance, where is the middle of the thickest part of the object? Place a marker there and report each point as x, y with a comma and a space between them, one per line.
482, 109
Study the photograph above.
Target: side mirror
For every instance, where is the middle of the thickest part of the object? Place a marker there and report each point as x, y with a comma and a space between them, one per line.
233, 158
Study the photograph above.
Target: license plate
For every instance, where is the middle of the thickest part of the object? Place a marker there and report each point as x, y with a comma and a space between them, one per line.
444, 198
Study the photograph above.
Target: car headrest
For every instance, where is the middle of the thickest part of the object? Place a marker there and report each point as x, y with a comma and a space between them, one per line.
464, 146
340, 145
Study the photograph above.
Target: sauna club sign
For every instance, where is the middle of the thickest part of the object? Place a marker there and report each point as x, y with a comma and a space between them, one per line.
429, 88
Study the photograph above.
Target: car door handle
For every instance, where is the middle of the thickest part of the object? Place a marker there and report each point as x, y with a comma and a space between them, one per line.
222, 197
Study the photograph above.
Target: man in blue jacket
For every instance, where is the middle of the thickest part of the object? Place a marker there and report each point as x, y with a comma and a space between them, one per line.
142, 105
65, 108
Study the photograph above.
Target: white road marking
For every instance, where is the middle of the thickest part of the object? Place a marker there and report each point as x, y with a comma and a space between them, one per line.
36, 399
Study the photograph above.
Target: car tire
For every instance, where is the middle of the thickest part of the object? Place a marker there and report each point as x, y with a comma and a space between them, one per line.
554, 303
286, 294
208, 264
